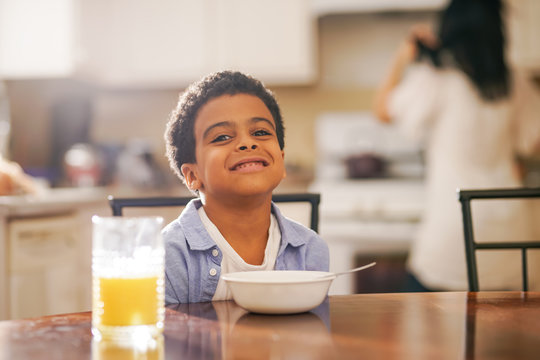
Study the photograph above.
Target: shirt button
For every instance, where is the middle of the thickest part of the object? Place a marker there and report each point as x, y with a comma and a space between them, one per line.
213, 272
215, 252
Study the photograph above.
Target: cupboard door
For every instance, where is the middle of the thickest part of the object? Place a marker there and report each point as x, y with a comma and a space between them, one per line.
44, 266
144, 43
274, 40
36, 39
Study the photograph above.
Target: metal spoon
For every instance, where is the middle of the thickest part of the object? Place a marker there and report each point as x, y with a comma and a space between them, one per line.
347, 272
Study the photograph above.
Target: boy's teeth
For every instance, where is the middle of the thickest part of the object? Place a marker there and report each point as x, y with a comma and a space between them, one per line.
243, 165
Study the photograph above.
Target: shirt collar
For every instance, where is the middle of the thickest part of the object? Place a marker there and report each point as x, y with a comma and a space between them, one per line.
198, 238
289, 235
196, 235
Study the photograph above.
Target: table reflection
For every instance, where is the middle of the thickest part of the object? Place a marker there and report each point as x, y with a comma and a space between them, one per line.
145, 348
231, 331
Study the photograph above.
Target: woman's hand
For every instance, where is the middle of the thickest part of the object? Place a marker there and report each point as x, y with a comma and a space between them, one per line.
424, 34
408, 50
13, 180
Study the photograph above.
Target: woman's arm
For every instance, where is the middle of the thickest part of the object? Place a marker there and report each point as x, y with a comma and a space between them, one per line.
405, 54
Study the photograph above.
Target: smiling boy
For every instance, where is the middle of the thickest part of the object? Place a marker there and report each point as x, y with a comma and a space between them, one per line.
225, 141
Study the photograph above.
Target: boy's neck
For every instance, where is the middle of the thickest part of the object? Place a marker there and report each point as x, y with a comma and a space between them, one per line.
244, 223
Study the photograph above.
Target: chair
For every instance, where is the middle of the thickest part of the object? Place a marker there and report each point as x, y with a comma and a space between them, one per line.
117, 204
465, 197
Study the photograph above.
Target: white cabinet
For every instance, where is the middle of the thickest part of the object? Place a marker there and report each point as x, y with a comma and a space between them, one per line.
273, 40
36, 38
45, 251
174, 42
44, 273
144, 43
165, 43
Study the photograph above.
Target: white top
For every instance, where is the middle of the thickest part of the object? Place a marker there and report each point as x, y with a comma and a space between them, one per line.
470, 144
232, 262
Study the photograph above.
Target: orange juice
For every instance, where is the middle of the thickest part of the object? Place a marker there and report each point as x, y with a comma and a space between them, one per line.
128, 301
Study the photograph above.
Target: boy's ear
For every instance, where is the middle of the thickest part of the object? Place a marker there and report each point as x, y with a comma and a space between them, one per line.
284, 169
191, 177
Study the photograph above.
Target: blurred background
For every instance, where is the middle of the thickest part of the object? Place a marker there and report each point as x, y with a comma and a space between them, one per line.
107, 73
86, 88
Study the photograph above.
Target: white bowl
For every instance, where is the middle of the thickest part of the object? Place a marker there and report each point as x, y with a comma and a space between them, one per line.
278, 291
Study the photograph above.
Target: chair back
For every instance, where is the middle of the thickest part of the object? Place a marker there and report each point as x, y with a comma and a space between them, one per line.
465, 197
312, 199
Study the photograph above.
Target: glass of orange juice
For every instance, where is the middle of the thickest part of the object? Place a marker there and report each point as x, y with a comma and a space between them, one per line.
127, 277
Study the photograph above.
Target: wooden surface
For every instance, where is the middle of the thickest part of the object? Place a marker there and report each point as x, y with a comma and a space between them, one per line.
453, 325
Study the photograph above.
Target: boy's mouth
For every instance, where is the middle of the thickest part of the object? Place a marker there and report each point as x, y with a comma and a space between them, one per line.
249, 165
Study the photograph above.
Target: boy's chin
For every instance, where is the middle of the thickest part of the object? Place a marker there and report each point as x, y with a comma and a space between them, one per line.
252, 191
246, 189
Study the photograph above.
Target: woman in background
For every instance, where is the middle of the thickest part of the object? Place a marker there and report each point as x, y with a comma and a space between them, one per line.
474, 116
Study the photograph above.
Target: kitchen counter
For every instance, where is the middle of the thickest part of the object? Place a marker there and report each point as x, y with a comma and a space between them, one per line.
52, 201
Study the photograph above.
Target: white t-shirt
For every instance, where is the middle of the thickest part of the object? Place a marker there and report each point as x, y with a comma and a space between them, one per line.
470, 144
232, 262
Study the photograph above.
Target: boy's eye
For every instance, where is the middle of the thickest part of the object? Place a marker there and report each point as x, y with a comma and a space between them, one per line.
262, 132
220, 138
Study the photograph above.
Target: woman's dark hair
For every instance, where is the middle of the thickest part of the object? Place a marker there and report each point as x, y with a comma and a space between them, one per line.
179, 135
473, 32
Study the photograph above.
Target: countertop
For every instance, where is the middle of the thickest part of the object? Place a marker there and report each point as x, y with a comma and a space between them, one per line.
51, 201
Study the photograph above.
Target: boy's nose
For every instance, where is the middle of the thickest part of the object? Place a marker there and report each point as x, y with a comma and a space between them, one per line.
244, 147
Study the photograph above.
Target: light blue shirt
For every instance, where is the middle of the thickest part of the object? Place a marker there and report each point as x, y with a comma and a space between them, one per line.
193, 260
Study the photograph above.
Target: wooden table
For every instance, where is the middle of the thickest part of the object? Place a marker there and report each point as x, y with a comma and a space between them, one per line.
447, 325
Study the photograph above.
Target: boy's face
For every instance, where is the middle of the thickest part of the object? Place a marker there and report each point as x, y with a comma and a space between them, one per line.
237, 151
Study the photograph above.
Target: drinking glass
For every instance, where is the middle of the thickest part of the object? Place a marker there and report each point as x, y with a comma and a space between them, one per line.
127, 277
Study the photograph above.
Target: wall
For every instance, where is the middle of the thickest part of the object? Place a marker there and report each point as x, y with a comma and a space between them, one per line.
354, 51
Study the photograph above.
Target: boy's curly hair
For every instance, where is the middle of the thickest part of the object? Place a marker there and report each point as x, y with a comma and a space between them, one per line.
179, 134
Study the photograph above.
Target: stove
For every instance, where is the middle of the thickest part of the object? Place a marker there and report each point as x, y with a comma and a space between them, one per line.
368, 217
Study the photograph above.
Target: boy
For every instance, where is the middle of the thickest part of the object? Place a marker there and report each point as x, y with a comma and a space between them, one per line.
225, 141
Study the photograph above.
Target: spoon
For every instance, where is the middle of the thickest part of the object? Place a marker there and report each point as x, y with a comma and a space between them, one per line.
347, 272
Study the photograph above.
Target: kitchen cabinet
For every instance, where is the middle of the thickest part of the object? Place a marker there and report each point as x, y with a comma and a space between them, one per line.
36, 39
123, 43
273, 40
43, 266
126, 43
45, 250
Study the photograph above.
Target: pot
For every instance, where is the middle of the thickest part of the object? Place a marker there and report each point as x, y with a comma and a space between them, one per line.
365, 165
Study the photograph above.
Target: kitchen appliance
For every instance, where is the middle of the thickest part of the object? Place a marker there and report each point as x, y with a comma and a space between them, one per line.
365, 166
368, 217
